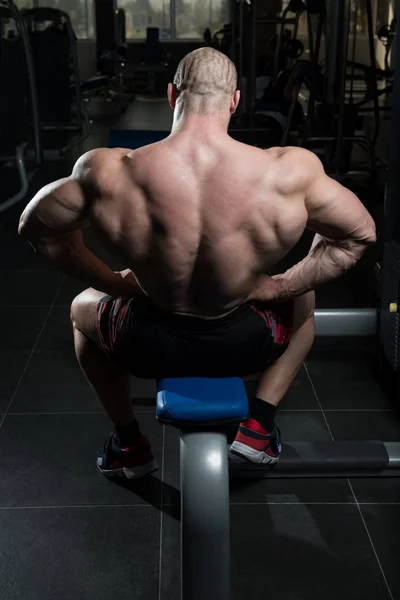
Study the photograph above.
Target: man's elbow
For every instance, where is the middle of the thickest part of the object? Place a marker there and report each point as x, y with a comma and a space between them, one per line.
371, 237
28, 231
23, 227
370, 231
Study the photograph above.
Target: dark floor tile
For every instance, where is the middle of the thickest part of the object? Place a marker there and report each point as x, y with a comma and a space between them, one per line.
170, 560
16, 254
344, 381
351, 395
302, 426
69, 289
57, 334
51, 461
53, 382
144, 392
383, 523
29, 289
12, 365
319, 551
339, 366
80, 553
379, 489
300, 395
290, 491
171, 463
20, 329
364, 425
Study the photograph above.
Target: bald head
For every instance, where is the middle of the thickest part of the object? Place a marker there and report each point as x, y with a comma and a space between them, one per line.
205, 81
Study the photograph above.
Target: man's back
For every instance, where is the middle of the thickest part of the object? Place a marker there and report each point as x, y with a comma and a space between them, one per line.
199, 220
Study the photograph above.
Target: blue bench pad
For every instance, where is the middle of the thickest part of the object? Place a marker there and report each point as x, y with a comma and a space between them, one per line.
201, 400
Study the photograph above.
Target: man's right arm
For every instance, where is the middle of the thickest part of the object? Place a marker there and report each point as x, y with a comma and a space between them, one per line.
344, 230
52, 224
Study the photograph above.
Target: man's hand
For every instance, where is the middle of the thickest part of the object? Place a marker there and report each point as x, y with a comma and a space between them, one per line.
267, 289
126, 284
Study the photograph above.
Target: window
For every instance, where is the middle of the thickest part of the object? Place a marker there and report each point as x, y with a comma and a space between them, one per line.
176, 19
194, 16
141, 14
358, 14
80, 12
23, 4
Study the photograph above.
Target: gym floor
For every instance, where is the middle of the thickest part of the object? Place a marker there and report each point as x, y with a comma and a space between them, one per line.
69, 533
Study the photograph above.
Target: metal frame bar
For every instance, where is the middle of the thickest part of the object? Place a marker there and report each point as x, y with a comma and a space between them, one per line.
81, 123
21, 25
205, 470
341, 73
24, 178
326, 459
346, 322
372, 58
172, 19
251, 73
205, 527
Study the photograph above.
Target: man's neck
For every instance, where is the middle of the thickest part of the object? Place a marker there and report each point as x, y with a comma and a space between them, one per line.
199, 124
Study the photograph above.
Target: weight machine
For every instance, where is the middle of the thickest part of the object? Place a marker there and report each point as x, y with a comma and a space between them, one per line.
203, 409
333, 123
18, 91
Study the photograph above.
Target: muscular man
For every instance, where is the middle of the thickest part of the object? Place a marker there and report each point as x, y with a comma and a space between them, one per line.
199, 219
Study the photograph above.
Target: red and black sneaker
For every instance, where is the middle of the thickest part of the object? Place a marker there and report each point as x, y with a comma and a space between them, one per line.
133, 462
257, 445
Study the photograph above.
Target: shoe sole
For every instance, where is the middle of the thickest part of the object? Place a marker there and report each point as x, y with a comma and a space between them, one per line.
259, 458
129, 472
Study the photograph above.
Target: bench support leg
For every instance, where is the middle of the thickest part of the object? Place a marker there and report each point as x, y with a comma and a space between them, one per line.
205, 540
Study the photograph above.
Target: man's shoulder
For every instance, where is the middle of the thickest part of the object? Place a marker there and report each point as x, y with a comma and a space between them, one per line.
99, 157
295, 167
293, 153
100, 167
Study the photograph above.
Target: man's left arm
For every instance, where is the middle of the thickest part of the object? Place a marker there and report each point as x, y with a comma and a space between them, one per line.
52, 223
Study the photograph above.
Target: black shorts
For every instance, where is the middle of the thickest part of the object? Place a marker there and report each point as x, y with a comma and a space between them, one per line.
151, 343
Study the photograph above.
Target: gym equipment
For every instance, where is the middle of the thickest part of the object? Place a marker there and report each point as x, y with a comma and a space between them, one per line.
204, 409
220, 40
386, 34
326, 459
201, 409
111, 82
108, 28
346, 322
334, 123
270, 113
149, 75
18, 91
390, 314
55, 62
